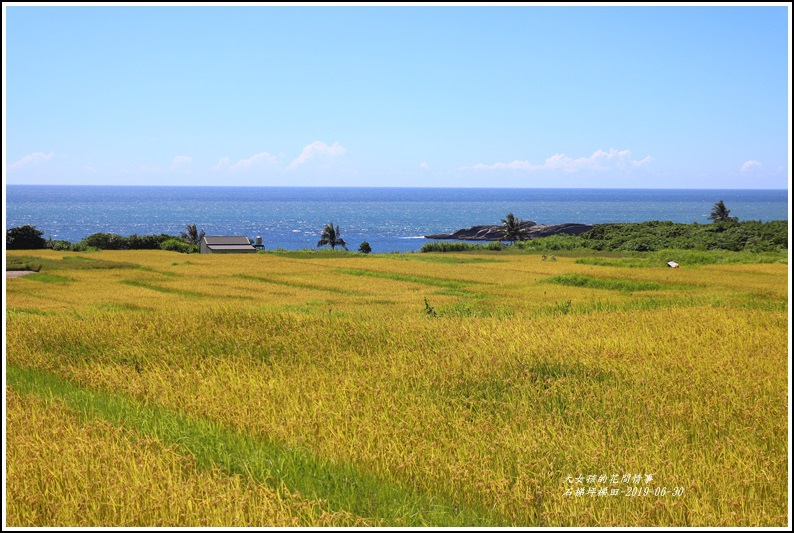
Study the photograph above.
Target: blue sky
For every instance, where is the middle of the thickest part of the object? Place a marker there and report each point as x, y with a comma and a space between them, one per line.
471, 96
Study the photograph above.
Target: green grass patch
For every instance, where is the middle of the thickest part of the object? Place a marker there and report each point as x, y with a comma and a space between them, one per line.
743, 301
91, 263
611, 284
47, 278
752, 301
157, 288
297, 285
14, 290
22, 263
685, 258
186, 294
445, 259
424, 280
342, 486
69, 262
161, 272
463, 294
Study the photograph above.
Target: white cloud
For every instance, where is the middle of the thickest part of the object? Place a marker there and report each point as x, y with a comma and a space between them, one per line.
30, 159
226, 164
223, 164
750, 165
89, 168
513, 165
642, 162
600, 160
311, 151
317, 148
424, 165
181, 163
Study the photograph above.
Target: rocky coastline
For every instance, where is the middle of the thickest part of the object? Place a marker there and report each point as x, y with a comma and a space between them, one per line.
494, 232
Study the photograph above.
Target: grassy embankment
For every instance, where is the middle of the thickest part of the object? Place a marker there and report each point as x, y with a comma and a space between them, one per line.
154, 388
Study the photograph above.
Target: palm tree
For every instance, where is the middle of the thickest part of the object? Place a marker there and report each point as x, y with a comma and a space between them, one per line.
192, 236
719, 213
331, 236
512, 229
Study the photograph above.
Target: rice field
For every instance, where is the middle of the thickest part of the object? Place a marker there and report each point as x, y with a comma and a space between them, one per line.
151, 388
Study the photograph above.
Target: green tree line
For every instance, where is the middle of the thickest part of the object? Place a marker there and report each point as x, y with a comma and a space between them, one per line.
28, 237
732, 235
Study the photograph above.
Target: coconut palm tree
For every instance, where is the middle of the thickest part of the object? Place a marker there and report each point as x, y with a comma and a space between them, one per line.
720, 213
331, 236
192, 236
512, 229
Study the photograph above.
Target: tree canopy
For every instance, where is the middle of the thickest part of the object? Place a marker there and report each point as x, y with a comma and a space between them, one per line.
720, 213
25, 237
192, 235
331, 236
512, 229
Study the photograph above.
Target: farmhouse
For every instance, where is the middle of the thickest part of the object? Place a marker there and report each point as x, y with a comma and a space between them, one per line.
226, 245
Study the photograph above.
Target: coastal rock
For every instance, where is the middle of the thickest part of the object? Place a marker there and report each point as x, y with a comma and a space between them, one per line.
569, 228
478, 233
494, 232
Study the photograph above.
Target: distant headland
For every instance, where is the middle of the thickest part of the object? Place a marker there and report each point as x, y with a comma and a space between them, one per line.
496, 232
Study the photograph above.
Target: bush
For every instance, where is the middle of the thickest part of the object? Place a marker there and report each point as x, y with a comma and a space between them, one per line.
83, 247
656, 235
637, 246
750, 236
552, 243
60, 245
25, 237
177, 245
365, 248
107, 241
437, 246
147, 242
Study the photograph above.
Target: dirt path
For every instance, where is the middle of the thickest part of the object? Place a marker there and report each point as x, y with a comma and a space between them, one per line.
18, 273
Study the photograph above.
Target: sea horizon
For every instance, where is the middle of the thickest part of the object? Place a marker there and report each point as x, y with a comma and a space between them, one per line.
390, 219
391, 187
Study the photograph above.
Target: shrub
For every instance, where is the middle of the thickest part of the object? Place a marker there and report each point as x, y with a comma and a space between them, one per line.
147, 242
107, 241
60, 245
459, 246
25, 237
552, 243
365, 248
83, 247
177, 245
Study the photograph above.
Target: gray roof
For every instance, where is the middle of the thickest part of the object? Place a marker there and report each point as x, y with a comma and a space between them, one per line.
213, 239
230, 247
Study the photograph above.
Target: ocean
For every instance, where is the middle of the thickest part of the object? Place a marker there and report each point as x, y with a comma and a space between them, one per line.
390, 219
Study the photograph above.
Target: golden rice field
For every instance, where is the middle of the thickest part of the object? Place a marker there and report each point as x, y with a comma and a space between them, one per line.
150, 388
